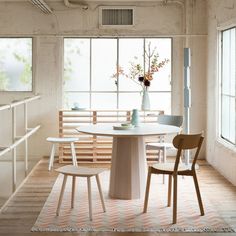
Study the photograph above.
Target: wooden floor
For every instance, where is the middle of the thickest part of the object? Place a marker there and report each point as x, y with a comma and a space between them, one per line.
20, 213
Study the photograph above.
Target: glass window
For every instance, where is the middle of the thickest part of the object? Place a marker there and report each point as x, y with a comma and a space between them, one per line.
15, 64
228, 78
103, 64
106, 72
130, 52
76, 64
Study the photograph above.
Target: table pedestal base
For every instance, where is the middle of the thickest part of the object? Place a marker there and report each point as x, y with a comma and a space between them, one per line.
128, 168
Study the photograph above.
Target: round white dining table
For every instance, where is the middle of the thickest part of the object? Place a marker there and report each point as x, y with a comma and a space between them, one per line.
128, 163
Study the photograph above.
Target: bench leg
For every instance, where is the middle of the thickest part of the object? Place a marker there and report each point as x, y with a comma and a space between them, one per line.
51, 160
100, 192
61, 194
74, 159
164, 161
89, 198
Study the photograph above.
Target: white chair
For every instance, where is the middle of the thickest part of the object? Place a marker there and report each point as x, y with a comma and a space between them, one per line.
69, 140
163, 146
80, 171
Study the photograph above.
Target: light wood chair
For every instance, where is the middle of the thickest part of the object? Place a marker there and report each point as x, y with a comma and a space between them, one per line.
80, 171
181, 142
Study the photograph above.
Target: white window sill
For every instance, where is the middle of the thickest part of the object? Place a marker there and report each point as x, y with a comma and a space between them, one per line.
222, 143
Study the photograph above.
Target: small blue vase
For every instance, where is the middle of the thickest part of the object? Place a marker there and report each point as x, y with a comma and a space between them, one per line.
135, 118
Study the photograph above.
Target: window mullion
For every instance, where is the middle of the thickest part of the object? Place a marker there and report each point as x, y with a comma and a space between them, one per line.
235, 89
90, 74
117, 74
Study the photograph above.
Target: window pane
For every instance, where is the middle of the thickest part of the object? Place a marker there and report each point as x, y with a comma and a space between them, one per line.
228, 118
232, 62
226, 62
162, 78
225, 117
15, 64
232, 120
79, 100
104, 54
130, 52
161, 101
104, 101
130, 101
76, 64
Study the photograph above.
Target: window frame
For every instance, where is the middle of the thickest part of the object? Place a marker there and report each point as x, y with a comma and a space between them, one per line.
225, 141
117, 92
32, 64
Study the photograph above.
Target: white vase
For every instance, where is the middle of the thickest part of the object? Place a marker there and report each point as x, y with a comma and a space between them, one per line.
145, 101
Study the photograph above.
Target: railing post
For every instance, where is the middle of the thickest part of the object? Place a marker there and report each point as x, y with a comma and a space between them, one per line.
14, 149
26, 140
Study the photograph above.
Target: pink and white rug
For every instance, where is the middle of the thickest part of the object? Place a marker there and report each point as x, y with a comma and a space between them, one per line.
126, 215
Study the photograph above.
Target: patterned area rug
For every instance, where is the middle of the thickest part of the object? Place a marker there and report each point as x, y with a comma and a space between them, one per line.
126, 215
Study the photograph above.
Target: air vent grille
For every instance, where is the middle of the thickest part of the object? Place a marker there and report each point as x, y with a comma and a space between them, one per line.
117, 16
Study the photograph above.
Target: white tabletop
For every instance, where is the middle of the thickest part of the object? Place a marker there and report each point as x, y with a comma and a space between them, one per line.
143, 130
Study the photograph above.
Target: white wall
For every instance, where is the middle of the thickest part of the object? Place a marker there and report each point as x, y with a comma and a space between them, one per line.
153, 19
221, 157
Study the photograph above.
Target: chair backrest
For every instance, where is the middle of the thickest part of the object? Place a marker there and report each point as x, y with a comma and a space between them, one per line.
170, 120
187, 141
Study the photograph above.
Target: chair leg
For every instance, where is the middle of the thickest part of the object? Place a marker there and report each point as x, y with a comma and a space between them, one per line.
175, 199
147, 191
159, 156
198, 193
51, 160
73, 191
89, 198
74, 159
61, 194
169, 190
100, 193
164, 161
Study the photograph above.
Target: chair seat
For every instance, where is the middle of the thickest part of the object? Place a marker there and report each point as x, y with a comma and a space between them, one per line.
62, 140
156, 146
169, 167
79, 171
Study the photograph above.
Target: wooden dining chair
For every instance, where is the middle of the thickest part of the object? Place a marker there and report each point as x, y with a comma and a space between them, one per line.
181, 142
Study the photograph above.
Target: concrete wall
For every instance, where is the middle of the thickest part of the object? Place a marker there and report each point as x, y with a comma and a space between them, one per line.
153, 19
220, 155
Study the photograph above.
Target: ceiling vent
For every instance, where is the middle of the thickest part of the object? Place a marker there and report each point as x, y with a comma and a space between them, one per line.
116, 16
42, 6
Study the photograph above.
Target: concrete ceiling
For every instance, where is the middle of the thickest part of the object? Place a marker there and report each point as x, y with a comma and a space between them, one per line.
85, 1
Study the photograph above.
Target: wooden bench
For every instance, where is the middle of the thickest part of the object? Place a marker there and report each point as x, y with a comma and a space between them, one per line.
92, 149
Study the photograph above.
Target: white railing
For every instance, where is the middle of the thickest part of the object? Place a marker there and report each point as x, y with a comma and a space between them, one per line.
16, 140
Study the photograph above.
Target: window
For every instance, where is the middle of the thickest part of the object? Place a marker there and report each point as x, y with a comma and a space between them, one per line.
97, 72
228, 78
15, 64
